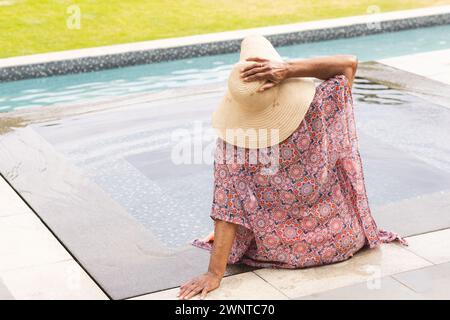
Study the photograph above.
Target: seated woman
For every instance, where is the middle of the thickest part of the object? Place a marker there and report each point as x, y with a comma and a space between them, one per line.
305, 204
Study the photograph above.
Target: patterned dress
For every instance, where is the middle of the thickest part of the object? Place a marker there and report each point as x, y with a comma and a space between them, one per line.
314, 210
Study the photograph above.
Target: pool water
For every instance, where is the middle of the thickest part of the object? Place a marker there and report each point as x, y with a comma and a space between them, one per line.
102, 85
127, 152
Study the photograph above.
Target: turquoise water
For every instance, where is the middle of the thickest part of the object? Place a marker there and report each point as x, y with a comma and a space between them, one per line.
102, 85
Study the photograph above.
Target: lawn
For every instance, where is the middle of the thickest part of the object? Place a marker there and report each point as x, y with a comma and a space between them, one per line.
29, 27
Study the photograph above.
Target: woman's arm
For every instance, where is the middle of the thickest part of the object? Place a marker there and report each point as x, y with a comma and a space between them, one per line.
324, 67
224, 233
321, 68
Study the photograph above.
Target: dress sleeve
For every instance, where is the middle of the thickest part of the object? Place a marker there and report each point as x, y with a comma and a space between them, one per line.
227, 202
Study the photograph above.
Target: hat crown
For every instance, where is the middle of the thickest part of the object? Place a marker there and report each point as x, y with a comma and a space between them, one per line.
277, 111
246, 93
258, 46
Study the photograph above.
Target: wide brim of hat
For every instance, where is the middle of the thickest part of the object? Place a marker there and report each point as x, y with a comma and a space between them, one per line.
270, 126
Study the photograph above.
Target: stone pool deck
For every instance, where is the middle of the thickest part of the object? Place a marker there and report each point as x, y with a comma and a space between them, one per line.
434, 65
34, 265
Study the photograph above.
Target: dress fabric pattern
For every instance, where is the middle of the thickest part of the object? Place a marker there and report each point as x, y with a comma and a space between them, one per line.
314, 209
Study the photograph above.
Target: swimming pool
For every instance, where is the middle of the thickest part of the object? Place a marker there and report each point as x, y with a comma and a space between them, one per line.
101, 178
104, 85
127, 152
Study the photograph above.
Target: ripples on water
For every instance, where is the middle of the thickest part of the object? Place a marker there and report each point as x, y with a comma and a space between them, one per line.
368, 92
107, 84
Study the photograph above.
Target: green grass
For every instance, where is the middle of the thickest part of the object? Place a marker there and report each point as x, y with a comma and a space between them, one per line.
37, 26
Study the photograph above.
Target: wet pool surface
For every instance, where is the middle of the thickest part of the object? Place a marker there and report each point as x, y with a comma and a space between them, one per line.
403, 141
102, 85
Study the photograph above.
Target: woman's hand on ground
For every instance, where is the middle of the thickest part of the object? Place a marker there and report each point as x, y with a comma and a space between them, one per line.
199, 285
271, 71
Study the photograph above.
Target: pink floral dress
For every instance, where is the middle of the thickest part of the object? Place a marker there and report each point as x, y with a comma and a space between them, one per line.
314, 210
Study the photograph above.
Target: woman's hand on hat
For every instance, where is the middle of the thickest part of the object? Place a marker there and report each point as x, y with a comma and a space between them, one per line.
265, 70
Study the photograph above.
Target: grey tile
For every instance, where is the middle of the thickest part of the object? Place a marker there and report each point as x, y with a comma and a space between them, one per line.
385, 288
430, 282
393, 175
432, 246
366, 266
415, 216
237, 287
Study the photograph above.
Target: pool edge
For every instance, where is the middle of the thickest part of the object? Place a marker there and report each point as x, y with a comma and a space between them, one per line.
117, 56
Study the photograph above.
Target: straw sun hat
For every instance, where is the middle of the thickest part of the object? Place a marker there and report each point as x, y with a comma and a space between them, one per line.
251, 119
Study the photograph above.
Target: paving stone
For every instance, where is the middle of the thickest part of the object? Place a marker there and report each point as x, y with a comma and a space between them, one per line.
380, 289
241, 286
429, 283
433, 246
10, 202
63, 280
365, 266
25, 241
